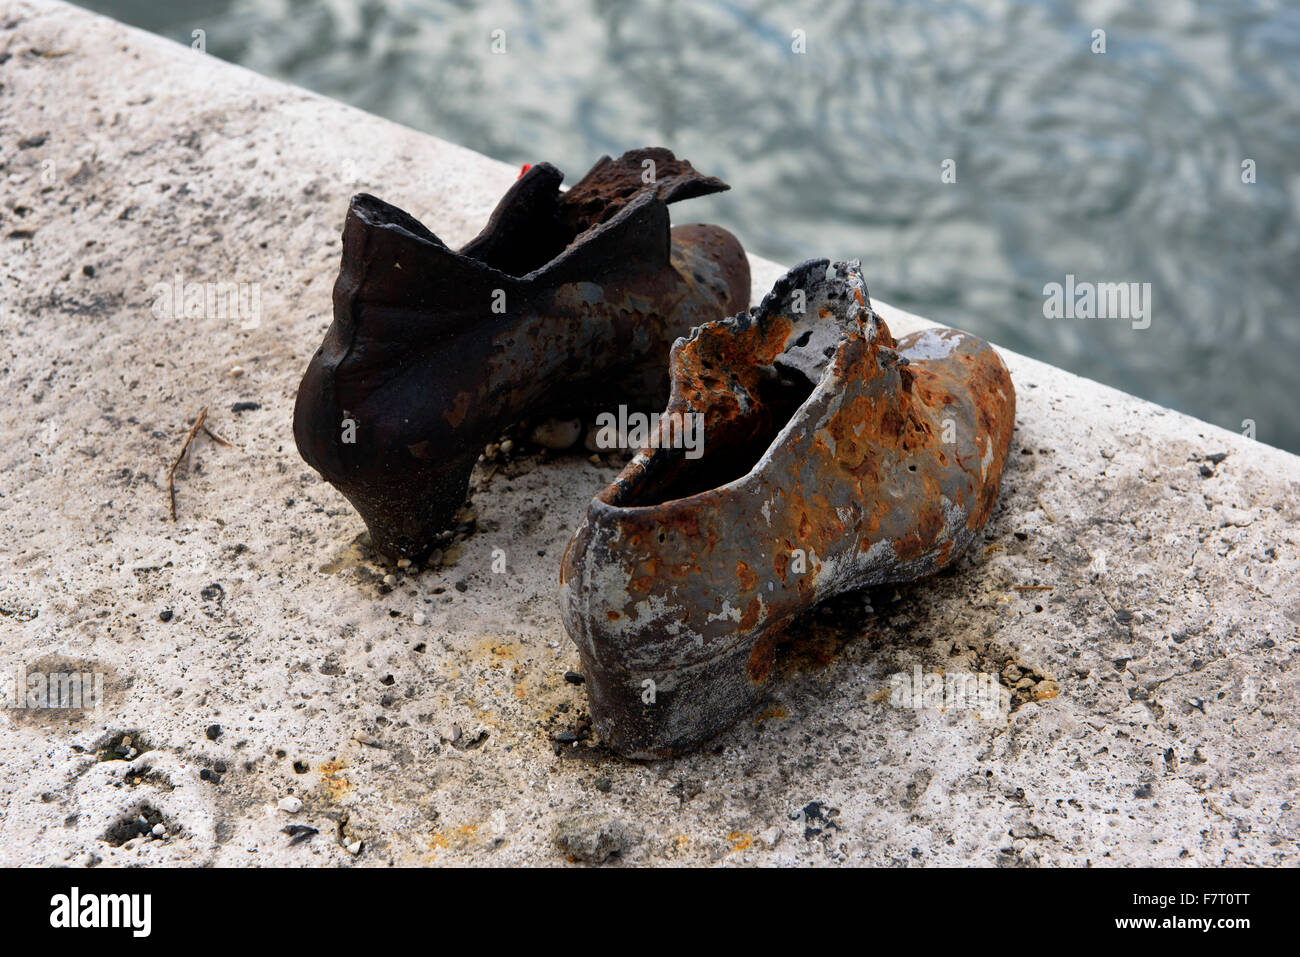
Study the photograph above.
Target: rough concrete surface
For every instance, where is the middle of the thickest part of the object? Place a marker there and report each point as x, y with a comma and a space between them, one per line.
1151, 671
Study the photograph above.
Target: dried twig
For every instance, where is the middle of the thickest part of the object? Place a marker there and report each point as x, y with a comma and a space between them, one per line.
171, 472
216, 438
1034, 587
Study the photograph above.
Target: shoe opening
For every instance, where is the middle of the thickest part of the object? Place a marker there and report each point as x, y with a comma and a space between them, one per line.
812, 306
535, 222
731, 457
727, 454
525, 230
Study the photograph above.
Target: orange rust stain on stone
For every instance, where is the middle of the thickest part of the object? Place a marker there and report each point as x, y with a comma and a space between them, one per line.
740, 841
331, 773
748, 580
750, 618
1045, 690
775, 711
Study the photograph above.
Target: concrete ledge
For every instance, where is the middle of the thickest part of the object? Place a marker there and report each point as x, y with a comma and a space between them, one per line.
1136, 597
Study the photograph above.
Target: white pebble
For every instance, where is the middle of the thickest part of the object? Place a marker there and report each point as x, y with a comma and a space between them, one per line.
403, 563
355, 848
236, 371
557, 433
290, 805
419, 618
159, 830
390, 580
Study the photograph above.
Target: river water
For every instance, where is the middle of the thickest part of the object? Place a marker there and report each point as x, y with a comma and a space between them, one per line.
971, 154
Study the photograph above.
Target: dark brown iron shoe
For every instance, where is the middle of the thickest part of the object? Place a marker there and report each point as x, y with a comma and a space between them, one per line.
833, 459
565, 300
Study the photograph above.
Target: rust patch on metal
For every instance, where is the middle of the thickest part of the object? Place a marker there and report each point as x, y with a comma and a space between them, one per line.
835, 458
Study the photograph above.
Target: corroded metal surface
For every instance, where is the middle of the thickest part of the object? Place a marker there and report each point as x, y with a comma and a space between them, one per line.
565, 299
834, 459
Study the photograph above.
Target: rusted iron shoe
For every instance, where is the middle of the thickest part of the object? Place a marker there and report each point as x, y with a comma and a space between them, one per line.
833, 459
565, 300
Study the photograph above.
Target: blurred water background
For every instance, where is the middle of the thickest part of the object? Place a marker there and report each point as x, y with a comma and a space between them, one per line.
1122, 166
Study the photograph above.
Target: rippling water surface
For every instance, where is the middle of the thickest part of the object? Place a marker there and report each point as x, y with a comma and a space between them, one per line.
1122, 166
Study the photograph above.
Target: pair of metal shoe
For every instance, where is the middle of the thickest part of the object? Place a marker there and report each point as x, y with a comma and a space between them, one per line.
803, 452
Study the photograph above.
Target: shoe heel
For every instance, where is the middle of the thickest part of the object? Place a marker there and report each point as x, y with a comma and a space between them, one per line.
406, 516
650, 715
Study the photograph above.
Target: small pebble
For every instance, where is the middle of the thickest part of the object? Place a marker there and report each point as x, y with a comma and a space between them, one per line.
236, 371
355, 847
507, 446
390, 580
557, 434
403, 563
290, 805
213, 732
419, 618
158, 830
